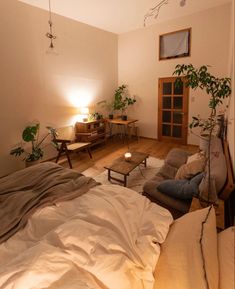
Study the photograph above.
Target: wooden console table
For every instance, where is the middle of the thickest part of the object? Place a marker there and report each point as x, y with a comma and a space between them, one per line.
91, 131
219, 211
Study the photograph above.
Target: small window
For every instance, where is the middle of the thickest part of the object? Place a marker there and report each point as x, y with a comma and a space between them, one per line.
175, 44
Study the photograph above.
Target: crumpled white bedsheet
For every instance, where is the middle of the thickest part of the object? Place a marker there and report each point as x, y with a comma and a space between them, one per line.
107, 238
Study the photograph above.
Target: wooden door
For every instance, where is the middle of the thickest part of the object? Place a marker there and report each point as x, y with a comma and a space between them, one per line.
172, 111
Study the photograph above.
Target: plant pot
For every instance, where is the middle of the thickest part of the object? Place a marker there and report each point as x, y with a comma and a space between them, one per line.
124, 117
31, 163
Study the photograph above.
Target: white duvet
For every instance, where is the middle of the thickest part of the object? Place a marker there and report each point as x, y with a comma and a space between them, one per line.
107, 238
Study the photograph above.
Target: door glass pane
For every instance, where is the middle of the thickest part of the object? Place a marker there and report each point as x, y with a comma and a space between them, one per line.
178, 88
167, 88
178, 102
166, 102
166, 130
177, 131
166, 116
177, 117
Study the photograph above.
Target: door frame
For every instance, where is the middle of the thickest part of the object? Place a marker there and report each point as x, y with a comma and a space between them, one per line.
185, 112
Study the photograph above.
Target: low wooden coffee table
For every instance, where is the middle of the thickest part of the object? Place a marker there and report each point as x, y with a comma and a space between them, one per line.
123, 167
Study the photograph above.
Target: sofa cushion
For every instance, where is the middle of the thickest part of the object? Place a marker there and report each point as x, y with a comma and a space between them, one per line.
151, 185
181, 189
167, 171
196, 156
176, 157
187, 171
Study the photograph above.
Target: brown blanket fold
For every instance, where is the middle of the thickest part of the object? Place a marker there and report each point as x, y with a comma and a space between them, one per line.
22, 192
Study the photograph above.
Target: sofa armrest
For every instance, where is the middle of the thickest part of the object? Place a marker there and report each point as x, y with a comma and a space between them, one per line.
176, 157
172, 204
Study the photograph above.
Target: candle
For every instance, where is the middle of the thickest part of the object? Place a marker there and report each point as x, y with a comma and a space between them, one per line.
127, 157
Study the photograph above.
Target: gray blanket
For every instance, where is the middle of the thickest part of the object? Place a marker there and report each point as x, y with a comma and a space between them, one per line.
22, 192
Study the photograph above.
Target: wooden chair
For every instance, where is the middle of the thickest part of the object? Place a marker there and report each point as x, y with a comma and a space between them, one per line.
65, 143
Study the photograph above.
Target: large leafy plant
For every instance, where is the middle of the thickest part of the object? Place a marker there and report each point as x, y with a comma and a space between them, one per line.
31, 135
106, 105
121, 99
217, 88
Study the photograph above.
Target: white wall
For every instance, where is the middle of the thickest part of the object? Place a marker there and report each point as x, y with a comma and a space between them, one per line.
139, 67
39, 86
35, 85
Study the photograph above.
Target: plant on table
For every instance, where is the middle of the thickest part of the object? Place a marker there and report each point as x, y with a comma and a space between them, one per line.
31, 135
122, 100
217, 88
95, 116
108, 106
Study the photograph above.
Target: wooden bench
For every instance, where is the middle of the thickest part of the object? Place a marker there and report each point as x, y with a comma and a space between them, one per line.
65, 143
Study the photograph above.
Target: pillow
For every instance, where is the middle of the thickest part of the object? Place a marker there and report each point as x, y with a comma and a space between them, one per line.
176, 157
167, 171
205, 187
218, 164
181, 263
189, 170
196, 156
181, 189
226, 241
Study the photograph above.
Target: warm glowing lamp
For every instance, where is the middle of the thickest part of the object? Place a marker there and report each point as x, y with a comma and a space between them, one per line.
85, 110
84, 113
80, 98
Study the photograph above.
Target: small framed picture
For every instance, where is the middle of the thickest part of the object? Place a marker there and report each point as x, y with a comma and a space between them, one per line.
175, 44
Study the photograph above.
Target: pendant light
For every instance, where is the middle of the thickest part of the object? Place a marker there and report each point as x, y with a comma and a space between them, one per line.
50, 34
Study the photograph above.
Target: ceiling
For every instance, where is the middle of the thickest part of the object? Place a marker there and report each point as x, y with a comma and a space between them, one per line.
120, 16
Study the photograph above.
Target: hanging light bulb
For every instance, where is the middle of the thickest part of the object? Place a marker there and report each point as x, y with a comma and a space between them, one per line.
50, 34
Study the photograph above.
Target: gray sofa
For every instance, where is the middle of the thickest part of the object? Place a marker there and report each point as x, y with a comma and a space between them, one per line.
174, 160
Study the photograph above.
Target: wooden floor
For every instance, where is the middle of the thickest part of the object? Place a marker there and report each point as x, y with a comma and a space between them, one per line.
104, 154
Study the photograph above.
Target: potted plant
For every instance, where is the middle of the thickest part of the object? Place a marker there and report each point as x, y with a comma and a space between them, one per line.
30, 135
95, 116
217, 89
107, 106
122, 100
